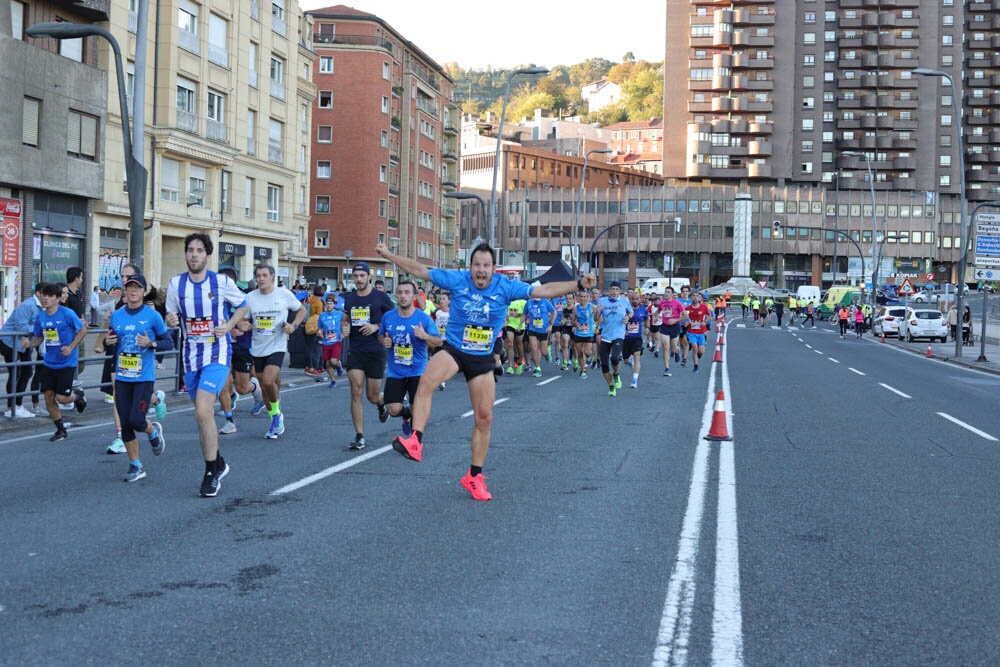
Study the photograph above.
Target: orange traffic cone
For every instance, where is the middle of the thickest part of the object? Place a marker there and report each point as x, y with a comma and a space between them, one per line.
930, 352
722, 339
718, 355
719, 430
883, 337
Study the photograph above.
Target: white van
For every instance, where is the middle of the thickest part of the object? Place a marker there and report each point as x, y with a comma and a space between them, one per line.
807, 293
659, 285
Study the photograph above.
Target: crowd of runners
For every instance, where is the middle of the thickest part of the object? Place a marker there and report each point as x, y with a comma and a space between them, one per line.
396, 354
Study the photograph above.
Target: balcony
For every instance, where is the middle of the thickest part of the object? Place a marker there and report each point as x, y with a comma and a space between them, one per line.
760, 148
755, 170
448, 238
448, 183
397, 91
277, 90
340, 39
449, 156
393, 191
187, 41
427, 106
187, 121
216, 131
218, 55
449, 127
395, 123
448, 210
393, 224
275, 153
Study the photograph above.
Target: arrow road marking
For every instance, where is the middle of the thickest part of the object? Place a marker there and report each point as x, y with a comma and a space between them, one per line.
895, 391
961, 423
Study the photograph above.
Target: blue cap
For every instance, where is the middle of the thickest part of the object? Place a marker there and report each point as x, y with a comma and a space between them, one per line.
615, 283
361, 266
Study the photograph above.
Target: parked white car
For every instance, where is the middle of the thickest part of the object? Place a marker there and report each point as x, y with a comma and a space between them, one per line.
923, 323
887, 320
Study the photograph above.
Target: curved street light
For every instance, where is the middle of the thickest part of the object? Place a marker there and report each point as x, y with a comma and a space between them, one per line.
579, 199
496, 157
966, 219
875, 258
482, 213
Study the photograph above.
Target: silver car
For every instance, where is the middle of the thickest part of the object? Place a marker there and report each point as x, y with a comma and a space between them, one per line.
887, 320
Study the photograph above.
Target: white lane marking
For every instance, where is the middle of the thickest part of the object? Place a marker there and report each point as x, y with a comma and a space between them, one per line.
895, 391
496, 402
961, 423
833, 360
809, 346
323, 474
543, 382
727, 609
818, 351
855, 370
172, 411
675, 624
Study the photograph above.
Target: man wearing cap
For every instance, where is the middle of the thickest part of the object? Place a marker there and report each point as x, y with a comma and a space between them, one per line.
268, 310
137, 332
480, 297
615, 312
366, 357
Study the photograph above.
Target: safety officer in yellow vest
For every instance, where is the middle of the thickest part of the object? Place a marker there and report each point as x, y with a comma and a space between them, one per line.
745, 304
793, 309
866, 310
755, 306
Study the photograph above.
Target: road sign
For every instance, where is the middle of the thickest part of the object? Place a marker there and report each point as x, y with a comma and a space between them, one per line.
987, 274
988, 217
987, 229
990, 262
929, 276
987, 245
906, 288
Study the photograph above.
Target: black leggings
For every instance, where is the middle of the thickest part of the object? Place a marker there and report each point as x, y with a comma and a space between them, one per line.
23, 372
131, 402
844, 326
610, 352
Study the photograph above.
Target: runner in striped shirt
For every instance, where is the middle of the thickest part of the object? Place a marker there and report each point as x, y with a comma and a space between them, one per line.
196, 300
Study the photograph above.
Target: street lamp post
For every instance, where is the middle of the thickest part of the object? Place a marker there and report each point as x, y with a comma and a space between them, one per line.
482, 213
836, 225
135, 172
871, 183
966, 220
496, 157
579, 199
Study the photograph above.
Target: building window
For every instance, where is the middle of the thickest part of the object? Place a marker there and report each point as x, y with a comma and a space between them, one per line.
218, 29
322, 237
807, 124
807, 146
808, 81
324, 134
17, 19
277, 78
383, 173
278, 16
187, 23
385, 70
944, 179
197, 180
806, 168
946, 120
947, 20
946, 40
252, 64
81, 138
809, 17
323, 169
385, 104
323, 203
170, 180
29, 121
326, 64
385, 139
248, 197
273, 203
808, 60
945, 161
809, 38
226, 185
275, 149
381, 208
325, 99
251, 132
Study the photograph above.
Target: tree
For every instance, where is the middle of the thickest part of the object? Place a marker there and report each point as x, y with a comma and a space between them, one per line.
470, 106
643, 93
628, 57
589, 71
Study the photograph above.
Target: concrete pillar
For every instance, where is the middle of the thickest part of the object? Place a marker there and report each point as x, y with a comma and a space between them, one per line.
704, 269
779, 271
817, 270
631, 269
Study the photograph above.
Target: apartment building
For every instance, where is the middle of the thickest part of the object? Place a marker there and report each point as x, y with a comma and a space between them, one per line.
753, 107
228, 101
638, 144
52, 115
385, 148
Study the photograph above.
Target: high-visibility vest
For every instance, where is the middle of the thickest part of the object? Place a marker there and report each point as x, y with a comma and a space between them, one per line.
756, 304
720, 302
843, 314
792, 303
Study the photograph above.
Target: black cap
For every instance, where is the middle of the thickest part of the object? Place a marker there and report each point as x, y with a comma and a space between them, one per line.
137, 279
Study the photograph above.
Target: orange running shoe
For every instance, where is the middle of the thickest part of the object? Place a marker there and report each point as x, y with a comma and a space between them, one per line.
476, 486
409, 447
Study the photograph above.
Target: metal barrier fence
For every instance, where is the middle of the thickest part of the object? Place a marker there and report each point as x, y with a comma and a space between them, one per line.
36, 354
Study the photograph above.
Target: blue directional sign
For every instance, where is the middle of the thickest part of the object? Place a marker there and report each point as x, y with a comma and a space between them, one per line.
987, 245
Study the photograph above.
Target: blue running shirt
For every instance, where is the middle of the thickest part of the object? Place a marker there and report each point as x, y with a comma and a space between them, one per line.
614, 312
537, 312
408, 354
477, 315
133, 363
329, 326
558, 303
56, 331
584, 320
635, 323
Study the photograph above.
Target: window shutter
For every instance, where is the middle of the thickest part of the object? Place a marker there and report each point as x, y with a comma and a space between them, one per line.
29, 123
73, 133
88, 136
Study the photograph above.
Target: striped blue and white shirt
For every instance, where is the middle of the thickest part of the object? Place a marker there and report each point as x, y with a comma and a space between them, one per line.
201, 308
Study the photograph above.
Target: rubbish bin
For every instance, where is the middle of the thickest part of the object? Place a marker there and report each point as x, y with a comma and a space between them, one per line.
297, 353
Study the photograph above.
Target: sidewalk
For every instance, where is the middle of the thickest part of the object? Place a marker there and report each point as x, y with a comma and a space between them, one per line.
970, 354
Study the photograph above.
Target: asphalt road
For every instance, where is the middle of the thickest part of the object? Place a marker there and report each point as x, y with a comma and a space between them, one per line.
617, 534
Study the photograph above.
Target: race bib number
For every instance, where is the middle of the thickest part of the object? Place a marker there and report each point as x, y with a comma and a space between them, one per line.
200, 330
129, 365
633, 327
360, 316
51, 337
330, 336
265, 326
477, 338
537, 322
403, 354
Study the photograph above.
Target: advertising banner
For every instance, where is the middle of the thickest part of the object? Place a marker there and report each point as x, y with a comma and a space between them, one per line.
10, 227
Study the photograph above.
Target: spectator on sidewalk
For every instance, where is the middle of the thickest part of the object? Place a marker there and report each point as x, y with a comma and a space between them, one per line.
21, 320
76, 303
95, 305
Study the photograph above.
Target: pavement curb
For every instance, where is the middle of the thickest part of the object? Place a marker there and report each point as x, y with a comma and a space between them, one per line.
974, 365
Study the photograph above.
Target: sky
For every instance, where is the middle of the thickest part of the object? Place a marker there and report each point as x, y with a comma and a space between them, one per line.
533, 32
